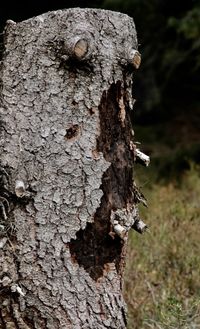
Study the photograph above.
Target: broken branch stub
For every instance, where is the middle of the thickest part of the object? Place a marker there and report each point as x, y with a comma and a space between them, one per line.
65, 101
142, 157
19, 188
139, 226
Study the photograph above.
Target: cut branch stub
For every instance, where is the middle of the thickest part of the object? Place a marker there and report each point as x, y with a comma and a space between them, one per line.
80, 48
135, 58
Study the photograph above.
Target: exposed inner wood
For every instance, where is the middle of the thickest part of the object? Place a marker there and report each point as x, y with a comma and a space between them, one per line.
97, 246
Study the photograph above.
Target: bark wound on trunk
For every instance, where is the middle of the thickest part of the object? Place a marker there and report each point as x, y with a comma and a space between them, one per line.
67, 197
97, 245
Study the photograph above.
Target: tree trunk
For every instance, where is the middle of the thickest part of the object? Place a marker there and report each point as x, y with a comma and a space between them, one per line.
67, 198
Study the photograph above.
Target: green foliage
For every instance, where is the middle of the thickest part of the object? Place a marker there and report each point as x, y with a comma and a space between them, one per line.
162, 285
188, 25
188, 28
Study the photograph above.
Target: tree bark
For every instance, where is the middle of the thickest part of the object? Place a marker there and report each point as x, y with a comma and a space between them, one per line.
67, 198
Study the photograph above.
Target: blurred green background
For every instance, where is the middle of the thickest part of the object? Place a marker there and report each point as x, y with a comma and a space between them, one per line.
162, 285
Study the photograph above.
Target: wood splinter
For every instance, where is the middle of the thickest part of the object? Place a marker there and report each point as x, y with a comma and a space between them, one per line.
16, 288
143, 158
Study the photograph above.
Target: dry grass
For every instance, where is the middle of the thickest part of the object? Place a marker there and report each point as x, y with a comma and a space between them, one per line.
162, 283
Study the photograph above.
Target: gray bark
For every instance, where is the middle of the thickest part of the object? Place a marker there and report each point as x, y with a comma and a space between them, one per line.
67, 195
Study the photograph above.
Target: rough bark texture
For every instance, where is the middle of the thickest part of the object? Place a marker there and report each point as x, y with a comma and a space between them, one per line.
66, 169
